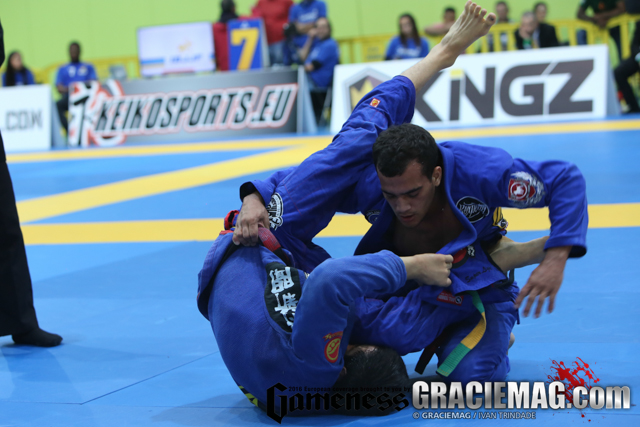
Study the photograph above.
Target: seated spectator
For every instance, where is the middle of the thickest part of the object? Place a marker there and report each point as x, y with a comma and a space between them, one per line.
275, 14
220, 36
533, 35
408, 44
320, 55
17, 74
540, 10
302, 19
628, 68
442, 28
603, 11
74, 71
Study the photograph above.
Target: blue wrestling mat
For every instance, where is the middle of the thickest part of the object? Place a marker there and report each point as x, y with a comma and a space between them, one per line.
116, 237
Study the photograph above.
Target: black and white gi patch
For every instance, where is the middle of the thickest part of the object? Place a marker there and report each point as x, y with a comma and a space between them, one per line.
525, 190
282, 293
275, 210
372, 215
472, 208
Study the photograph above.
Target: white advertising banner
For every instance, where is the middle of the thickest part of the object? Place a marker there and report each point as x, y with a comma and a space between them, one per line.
563, 83
25, 117
179, 48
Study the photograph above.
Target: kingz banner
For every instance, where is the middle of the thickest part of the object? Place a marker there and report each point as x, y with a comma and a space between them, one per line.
508, 87
183, 109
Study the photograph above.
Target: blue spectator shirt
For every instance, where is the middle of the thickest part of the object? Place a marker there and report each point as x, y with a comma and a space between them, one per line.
21, 79
327, 54
306, 12
397, 50
75, 72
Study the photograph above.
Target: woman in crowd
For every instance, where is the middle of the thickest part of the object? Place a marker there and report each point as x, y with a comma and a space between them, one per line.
17, 74
408, 44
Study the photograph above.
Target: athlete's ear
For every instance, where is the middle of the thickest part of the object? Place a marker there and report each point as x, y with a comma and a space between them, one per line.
343, 372
436, 178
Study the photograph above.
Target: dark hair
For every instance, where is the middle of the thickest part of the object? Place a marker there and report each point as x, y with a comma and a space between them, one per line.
397, 146
379, 368
502, 2
76, 44
228, 11
540, 3
11, 72
414, 30
450, 9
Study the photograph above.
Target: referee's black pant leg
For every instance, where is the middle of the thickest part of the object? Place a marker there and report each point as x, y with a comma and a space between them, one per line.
623, 71
63, 107
17, 314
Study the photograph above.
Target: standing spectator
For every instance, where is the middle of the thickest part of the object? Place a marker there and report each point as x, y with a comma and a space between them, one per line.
442, 28
408, 44
533, 35
540, 10
17, 314
74, 71
17, 74
220, 35
603, 11
302, 19
320, 55
275, 14
502, 12
628, 68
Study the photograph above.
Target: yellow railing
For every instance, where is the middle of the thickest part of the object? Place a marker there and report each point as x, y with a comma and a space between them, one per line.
130, 63
373, 48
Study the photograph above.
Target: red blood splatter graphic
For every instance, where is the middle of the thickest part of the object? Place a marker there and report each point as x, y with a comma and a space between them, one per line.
581, 375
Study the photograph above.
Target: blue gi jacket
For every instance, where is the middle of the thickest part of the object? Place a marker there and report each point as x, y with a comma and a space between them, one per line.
261, 345
478, 182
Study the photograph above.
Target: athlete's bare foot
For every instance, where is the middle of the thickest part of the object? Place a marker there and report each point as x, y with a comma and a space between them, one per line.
469, 27
508, 254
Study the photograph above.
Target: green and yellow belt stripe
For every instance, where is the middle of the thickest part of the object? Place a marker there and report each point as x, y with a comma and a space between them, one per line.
469, 342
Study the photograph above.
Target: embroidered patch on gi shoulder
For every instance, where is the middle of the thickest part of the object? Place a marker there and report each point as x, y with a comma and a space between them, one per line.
332, 347
525, 189
275, 210
374, 102
472, 208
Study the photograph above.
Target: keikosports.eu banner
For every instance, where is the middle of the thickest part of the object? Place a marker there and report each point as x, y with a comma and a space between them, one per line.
183, 108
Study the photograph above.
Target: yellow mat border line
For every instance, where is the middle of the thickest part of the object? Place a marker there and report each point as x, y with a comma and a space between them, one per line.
130, 189
481, 132
601, 216
155, 150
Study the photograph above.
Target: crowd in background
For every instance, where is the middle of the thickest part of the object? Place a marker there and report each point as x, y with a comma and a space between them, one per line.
300, 33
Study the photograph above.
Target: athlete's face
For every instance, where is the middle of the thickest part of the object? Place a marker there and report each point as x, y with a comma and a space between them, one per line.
410, 194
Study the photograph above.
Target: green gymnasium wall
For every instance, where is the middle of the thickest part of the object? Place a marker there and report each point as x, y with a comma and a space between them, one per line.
43, 29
